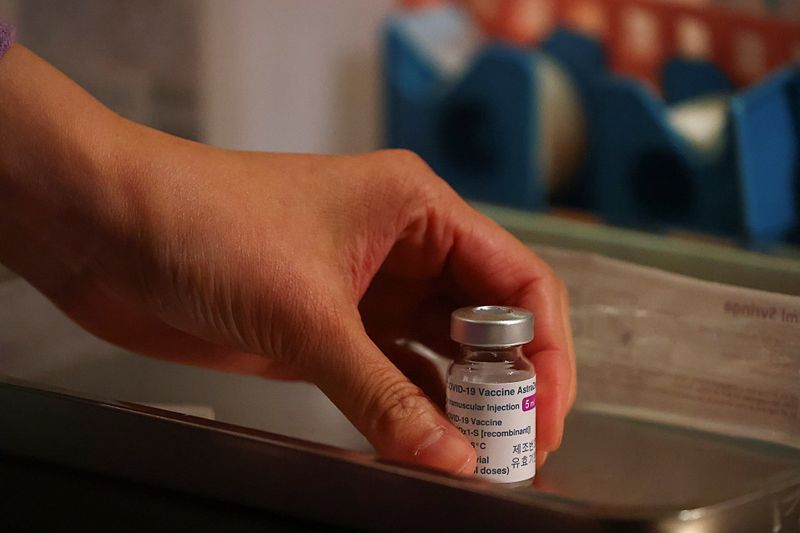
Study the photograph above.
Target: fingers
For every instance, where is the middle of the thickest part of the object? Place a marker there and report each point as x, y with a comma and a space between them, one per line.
494, 267
573, 389
421, 371
395, 415
541, 457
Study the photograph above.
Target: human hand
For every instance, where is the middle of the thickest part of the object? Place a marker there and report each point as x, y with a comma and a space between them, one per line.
289, 266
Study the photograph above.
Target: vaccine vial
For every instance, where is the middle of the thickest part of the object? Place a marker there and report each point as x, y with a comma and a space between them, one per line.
491, 391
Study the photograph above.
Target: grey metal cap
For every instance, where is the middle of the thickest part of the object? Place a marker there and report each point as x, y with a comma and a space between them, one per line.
491, 326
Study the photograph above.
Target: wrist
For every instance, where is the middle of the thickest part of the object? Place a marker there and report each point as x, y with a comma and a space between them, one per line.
62, 155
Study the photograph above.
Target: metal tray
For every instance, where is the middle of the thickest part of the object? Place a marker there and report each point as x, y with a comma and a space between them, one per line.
283, 447
611, 474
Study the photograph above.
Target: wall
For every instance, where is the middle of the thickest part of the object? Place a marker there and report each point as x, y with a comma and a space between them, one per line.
286, 75
292, 75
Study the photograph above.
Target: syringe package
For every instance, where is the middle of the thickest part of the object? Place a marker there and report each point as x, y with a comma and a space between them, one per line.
676, 350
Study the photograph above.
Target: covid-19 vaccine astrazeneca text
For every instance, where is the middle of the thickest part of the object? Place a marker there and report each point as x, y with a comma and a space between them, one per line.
491, 391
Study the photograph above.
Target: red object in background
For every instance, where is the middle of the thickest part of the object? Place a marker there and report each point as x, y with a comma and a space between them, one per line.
415, 4
640, 35
518, 21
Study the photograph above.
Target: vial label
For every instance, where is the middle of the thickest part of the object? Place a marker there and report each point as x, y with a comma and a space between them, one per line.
499, 419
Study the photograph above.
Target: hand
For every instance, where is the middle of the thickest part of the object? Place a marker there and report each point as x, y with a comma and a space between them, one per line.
280, 265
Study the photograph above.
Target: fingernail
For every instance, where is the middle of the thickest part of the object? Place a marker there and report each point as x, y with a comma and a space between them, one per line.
446, 450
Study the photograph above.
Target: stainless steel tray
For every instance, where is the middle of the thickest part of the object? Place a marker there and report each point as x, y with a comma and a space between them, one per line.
284, 447
611, 474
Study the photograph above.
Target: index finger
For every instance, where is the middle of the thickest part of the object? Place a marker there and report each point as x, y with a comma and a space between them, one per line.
493, 267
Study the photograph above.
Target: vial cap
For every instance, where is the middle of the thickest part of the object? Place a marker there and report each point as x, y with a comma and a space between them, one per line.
491, 326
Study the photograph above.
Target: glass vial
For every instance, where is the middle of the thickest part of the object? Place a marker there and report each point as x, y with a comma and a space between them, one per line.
491, 391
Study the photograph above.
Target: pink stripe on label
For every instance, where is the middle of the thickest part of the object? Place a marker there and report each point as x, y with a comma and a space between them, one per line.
529, 402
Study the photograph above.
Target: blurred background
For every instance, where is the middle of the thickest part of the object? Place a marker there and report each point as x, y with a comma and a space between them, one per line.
677, 118
664, 116
286, 75
660, 132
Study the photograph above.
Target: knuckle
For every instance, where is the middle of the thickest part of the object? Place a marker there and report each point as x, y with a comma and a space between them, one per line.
404, 159
397, 403
405, 168
409, 181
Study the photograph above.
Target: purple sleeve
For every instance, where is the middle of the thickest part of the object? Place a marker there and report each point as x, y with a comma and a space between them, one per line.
8, 34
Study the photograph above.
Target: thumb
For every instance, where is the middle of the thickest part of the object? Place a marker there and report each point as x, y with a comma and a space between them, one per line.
397, 418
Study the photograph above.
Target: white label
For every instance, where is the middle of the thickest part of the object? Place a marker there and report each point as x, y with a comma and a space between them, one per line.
499, 419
